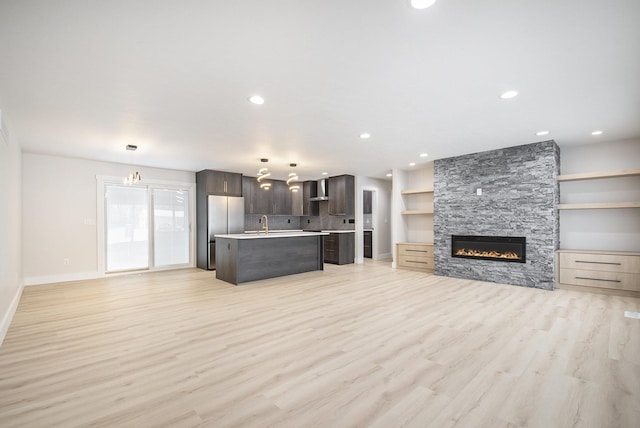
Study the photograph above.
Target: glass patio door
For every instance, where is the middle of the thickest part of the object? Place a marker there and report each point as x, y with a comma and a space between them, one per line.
170, 227
127, 228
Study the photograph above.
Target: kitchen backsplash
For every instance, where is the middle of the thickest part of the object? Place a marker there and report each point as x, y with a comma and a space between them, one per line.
276, 222
283, 222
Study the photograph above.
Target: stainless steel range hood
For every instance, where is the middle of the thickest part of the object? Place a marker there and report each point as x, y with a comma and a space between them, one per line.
322, 191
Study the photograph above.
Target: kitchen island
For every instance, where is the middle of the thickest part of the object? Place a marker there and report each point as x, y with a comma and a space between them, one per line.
251, 257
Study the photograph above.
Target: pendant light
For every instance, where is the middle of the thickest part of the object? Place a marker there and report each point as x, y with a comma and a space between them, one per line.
293, 177
264, 173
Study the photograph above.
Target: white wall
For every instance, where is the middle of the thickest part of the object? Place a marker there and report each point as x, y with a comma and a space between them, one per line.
10, 227
608, 229
381, 217
60, 214
398, 225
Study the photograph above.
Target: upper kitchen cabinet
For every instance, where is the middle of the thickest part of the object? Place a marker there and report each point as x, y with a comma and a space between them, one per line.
367, 202
310, 190
249, 193
274, 201
256, 199
220, 182
280, 198
342, 195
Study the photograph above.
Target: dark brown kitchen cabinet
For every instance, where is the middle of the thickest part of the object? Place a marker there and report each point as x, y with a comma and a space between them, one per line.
296, 201
247, 193
280, 198
368, 244
310, 190
273, 201
367, 202
342, 195
256, 199
220, 182
339, 248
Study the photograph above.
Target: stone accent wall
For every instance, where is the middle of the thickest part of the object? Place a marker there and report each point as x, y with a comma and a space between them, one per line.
519, 198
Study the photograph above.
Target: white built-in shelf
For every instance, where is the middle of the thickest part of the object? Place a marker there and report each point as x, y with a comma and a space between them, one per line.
423, 191
595, 176
599, 205
598, 175
416, 191
416, 212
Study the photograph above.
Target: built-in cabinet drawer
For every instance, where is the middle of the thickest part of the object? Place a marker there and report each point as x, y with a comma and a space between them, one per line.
602, 262
415, 256
601, 279
600, 270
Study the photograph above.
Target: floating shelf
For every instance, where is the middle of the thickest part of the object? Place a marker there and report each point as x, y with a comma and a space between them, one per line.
597, 175
416, 191
600, 205
416, 212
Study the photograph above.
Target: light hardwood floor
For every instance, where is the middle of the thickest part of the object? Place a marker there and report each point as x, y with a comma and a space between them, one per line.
352, 346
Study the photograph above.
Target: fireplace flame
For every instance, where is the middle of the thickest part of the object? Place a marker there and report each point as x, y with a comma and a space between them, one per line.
492, 254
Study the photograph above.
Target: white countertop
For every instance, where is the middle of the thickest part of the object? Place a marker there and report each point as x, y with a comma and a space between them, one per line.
272, 234
255, 232
339, 231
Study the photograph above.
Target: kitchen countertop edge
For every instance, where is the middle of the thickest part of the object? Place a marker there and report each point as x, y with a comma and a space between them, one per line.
271, 235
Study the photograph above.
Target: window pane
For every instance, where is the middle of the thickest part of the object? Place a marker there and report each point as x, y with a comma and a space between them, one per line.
171, 227
127, 230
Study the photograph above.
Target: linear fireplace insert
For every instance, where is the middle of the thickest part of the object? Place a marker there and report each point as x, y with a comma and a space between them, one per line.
496, 248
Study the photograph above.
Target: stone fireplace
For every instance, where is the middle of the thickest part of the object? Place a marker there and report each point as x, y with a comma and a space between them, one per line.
509, 192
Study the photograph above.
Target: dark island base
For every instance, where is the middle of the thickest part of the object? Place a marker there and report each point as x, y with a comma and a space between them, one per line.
244, 260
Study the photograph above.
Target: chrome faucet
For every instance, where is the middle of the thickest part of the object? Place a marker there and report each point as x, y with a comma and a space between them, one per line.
265, 224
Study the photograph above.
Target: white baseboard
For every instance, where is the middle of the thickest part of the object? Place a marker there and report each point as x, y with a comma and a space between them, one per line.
359, 260
50, 279
8, 316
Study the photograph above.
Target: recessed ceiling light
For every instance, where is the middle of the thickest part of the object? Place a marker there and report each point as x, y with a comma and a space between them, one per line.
412, 164
596, 133
421, 4
325, 173
389, 174
256, 99
508, 94
365, 136
424, 155
542, 133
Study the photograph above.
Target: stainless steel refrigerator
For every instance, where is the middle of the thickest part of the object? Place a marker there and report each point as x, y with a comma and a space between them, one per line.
225, 215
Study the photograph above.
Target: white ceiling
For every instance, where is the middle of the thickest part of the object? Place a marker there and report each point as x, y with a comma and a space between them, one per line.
85, 78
